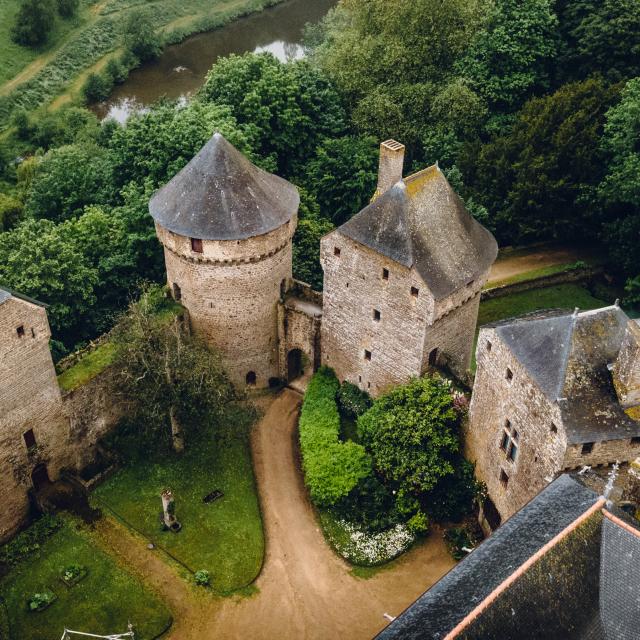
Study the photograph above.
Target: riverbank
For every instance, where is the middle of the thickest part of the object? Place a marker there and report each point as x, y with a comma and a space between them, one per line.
57, 75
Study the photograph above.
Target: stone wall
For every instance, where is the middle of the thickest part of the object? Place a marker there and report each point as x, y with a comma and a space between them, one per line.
603, 454
541, 439
232, 291
29, 400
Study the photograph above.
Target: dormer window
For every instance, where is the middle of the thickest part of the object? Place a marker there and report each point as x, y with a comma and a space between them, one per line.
196, 245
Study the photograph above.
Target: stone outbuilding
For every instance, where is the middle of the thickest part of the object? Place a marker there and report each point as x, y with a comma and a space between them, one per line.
402, 280
227, 229
34, 429
554, 391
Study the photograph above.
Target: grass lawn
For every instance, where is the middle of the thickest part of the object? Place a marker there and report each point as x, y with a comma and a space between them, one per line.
88, 367
225, 537
103, 602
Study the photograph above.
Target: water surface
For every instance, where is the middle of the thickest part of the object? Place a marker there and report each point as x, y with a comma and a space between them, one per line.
181, 69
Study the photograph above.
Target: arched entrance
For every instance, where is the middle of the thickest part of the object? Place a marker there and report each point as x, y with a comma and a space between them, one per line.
294, 364
39, 476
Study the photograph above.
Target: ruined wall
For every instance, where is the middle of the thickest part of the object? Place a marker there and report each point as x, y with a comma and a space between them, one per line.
354, 288
29, 399
232, 291
541, 438
627, 367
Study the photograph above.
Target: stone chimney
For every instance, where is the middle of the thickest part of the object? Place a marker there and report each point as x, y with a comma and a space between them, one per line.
626, 370
390, 167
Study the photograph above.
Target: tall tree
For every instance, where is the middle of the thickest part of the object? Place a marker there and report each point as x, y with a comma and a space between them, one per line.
34, 22
140, 38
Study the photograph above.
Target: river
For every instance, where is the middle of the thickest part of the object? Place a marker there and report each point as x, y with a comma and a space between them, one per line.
181, 69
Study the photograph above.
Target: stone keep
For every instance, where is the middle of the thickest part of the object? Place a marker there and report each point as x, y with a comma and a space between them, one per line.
33, 427
402, 280
227, 229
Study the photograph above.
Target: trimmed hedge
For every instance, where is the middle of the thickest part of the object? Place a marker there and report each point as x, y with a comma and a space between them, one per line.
331, 468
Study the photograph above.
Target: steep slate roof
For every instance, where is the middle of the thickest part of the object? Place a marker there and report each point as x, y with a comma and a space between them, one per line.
567, 356
450, 600
421, 223
6, 294
221, 195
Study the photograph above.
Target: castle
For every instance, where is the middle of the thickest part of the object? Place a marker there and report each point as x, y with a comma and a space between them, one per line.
402, 285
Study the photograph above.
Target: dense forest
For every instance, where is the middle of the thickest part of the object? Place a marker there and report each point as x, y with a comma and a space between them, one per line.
531, 108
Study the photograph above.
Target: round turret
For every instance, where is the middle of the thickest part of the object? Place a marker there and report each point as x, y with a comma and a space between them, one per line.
227, 229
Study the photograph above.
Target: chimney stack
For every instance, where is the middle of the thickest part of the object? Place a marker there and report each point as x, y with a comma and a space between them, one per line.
390, 167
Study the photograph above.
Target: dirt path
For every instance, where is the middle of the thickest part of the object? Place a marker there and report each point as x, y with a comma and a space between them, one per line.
305, 590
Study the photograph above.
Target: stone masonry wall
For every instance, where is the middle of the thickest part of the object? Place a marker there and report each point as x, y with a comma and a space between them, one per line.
541, 439
232, 291
299, 328
353, 288
603, 454
29, 399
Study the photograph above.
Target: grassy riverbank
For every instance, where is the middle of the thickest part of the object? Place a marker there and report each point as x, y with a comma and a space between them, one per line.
36, 78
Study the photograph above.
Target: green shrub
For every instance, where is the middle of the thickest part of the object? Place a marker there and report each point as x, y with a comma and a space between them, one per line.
116, 71
40, 600
457, 539
332, 468
34, 22
68, 8
202, 578
352, 400
418, 524
29, 541
97, 87
10, 212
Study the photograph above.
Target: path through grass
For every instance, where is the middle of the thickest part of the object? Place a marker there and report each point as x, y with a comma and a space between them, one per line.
103, 602
225, 537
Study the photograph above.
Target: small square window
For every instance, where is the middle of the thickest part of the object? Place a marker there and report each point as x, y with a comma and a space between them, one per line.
504, 443
20, 331
587, 447
504, 479
509, 374
29, 439
635, 440
414, 292
513, 452
385, 274
554, 429
33, 332
336, 251
367, 355
376, 315
196, 245
489, 345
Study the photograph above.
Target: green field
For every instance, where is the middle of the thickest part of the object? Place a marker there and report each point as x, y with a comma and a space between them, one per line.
103, 602
225, 537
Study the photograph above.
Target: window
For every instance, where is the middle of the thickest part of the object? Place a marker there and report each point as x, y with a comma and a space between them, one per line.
554, 429
433, 357
359, 378
489, 345
367, 355
509, 374
368, 385
587, 447
414, 292
196, 245
635, 440
336, 251
251, 378
29, 439
509, 441
20, 331
33, 332
385, 274
504, 479
177, 293
283, 288
376, 315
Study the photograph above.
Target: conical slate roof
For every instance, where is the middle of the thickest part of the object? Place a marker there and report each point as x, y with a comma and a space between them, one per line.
422, 223
221, 195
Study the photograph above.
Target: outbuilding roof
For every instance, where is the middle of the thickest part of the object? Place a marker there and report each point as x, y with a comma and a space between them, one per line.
568, 356
221, 195
421, 223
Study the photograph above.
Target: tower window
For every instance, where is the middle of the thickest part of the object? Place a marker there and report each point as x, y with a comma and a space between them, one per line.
196, 245
587, 448
29, 439
336, 251
509, 374
385, 274
504, 479
554, 429
509, 441
414, 292
376, 315
20, 331
33, 332
251, 378
489, 345
177, 293
367, 355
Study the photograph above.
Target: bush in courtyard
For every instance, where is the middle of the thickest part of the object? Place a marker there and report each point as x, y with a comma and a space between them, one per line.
457, 540
202, 578
418, 524
352, 400
29, 540
332, 468
40, 600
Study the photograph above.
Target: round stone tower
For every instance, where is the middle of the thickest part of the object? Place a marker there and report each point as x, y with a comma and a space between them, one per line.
227, 229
